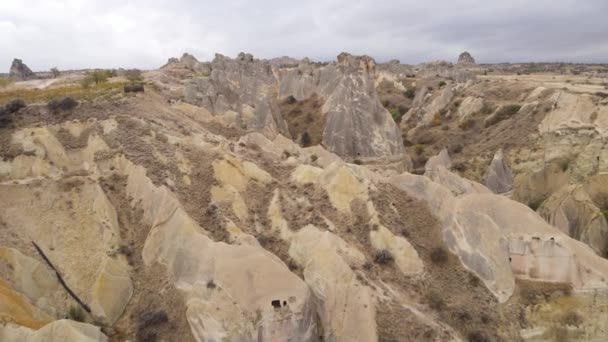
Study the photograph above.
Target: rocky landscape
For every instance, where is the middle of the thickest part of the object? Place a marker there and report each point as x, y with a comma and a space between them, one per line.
243, 199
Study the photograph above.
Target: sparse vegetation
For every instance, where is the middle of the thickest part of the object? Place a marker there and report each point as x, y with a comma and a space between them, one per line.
97, 77
419, 149
383, 257
102, 91
395, 114
564, 164
572, 318
403, 109
65, 103
442, 84
486, 108
313, 158
456, 148
4, 82
14, 106
55, 72
503, 113
477, 336
75, 313
305, 139
535, 204
434, 301
439, 255
467, 124
410, 93
133, 75
602, 94
291, 99
459, 166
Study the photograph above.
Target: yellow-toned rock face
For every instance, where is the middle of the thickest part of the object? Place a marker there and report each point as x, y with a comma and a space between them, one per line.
58, 331
229, 170
304, 174
72, 218
32, 278
404, 253
16, 308
343, 184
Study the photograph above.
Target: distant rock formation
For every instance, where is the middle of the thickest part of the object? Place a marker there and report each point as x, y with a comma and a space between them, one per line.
466, 58
243, 85
357, 125
19, 71
499, 178
188, 61
444, 69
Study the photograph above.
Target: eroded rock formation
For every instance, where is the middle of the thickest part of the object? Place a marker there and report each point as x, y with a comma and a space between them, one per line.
466, 58
19, 71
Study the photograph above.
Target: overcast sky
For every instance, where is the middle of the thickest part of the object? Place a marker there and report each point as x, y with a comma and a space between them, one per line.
143, 34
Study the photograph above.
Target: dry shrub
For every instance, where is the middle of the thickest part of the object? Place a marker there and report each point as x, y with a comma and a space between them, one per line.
383, 257
439, 255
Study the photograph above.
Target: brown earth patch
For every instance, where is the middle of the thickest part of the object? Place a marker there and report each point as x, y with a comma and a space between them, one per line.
157, 310
71, 142
457, 296
304, 118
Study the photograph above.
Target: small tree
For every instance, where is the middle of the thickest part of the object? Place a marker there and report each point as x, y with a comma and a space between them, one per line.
55, 72
97, 77
410, 93
133, 75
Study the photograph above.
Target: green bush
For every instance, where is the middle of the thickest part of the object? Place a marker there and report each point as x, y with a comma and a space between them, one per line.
442, 84
419, 149
383, 257
14, 106
96, 77
487, 108
396, 114
305, 140
55, 72
410, 93
65, 103
439, 255
291, 99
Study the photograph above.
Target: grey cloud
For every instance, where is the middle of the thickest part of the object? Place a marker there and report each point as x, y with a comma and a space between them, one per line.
96, 33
